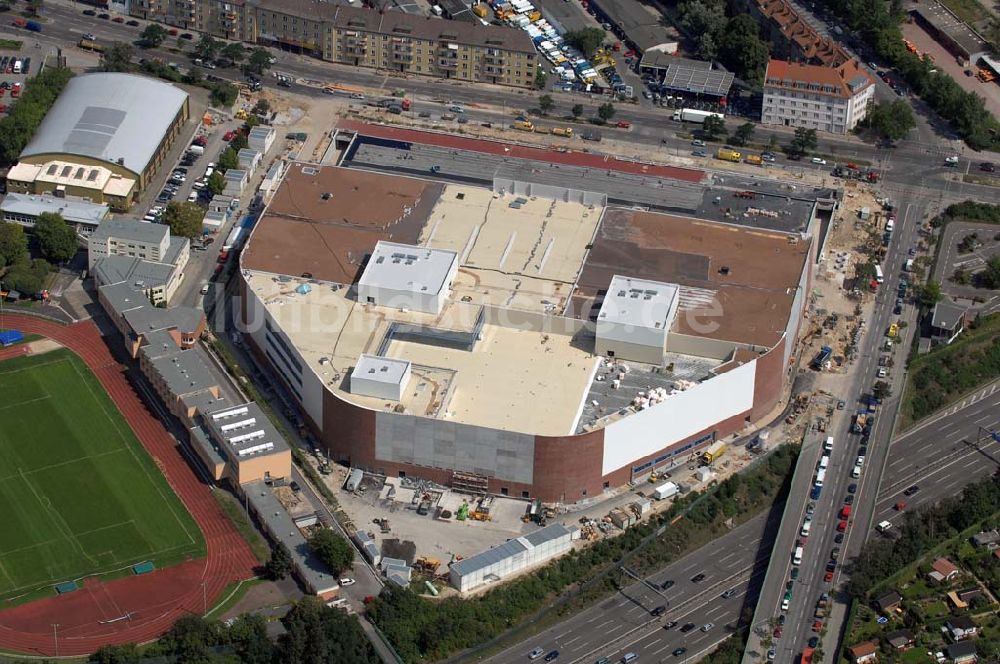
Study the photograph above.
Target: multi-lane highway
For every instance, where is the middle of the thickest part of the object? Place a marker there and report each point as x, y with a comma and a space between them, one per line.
624, 623
827, 530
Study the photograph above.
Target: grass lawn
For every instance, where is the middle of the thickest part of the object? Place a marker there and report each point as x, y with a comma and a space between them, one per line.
10, 44
915, 656
969, 11
79, 494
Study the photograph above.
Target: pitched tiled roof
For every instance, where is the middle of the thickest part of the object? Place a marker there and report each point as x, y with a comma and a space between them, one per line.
845, 81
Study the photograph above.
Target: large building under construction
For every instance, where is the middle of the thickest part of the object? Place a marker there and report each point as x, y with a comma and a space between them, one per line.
523, 338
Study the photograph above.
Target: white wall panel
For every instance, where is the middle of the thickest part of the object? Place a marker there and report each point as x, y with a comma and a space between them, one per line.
679, 417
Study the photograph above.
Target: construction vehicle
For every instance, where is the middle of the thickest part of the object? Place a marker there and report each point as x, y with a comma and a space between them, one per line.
90, 45
340, 87
463, 512
535, 513
860, 420
383, 524
480, 9
728, 155
822, 357
893, 330
713, 453
985, 75
563, 131
755, 159
524, 125
482, 511
424, 507
427, 565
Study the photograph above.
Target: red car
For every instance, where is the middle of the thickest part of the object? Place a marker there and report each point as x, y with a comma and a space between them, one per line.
200, 140
828, 577
228, 136
777, 632
117, 19
624, 124
16, 90
842, 527
172, 32
3, 108
818, 626
629, 53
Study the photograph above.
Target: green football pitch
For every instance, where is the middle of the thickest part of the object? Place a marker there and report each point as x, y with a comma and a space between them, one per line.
79, 494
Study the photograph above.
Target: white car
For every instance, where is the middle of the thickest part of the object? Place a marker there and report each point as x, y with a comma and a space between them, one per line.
192, 197
358, 96
347, 582
817, 160
881, 372
536, 653
952, 160
860, 462
856, 473
707, 626
204, 289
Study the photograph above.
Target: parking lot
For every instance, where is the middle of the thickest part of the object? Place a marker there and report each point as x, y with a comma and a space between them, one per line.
965, 250
17, 65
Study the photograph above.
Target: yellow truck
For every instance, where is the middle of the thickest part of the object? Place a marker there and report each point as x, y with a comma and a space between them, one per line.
712, 454
563, 131
754, 159
728, 155
524, 125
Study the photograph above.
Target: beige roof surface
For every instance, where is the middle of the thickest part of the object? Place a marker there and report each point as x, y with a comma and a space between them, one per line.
523, 257
516, 380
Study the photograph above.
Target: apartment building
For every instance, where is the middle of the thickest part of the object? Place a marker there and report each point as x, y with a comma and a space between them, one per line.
143, 255
791, 37
395, 41
831, 99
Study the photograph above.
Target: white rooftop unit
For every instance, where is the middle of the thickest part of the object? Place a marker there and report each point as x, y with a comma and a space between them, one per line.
233, 412
380, 377
635, 318
404, 276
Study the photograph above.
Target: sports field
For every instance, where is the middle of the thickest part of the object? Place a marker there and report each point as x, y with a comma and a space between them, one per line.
78, 493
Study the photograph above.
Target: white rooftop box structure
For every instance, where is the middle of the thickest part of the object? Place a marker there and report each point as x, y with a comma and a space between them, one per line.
404, 276
635, 318
380, 377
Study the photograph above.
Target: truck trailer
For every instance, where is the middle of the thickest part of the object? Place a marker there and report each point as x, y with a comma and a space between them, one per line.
712, 454
693, 115
666, 490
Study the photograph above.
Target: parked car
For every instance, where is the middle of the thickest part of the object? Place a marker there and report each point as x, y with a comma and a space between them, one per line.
697, 578
133, 23
89, 12
536, 653
987, 167
552, 656
911, 490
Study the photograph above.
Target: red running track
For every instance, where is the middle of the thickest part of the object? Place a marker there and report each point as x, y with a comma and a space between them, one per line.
569, 158
156, 600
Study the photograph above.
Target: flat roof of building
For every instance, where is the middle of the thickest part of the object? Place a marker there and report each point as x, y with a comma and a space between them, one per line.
697, 80
138, 273
947, 23
642, 23
72, 210
510, 549
245, 431
131, 230
183, 372
110, 117
638, 302
407, 267
404, 24
745, 280
386, 370
325, 220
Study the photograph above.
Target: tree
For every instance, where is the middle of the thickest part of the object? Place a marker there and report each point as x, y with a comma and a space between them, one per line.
606, 111
930, 294
228, 159
260, 59
248, 634
13, 244
208, 47
56, 238
577, 111
892, 121
153, 35
239, 142
546, 103
804, 141
587, 40
35, 7
279, 565
262, 107
27, 276
123, 654
216, 183
713, 127
961, 276
705, 19
117, 57
743, 133
184, 219
190, 639
332, 549
742, 51
540, 78
990, 277
881, 390
233, 51
318, 633
772, 142
224, 94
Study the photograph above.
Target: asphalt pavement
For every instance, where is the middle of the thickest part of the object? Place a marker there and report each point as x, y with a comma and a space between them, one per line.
623, 623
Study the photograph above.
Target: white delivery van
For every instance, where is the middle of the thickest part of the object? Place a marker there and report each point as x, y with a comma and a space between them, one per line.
883, 526
806, 525
820, 477
824, 461
889, 225
797, 556
829, 444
